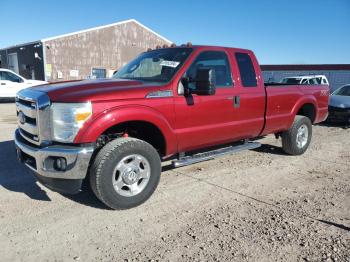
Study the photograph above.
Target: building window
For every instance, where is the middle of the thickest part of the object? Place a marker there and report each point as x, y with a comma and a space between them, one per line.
98, 73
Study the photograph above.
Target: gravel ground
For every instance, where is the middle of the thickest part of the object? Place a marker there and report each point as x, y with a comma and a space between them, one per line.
258, 205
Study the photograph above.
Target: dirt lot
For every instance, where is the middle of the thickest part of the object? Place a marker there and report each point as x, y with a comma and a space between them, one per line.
253, 206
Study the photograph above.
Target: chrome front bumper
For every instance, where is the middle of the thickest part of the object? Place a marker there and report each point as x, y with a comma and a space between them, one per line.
41, 159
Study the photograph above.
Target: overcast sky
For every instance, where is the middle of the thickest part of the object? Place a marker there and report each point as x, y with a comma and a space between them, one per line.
279, 32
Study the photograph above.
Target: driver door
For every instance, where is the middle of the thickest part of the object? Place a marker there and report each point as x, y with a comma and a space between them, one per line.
206, 120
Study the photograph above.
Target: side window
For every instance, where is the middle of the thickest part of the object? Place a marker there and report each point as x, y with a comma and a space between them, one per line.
324, 81
11, 77
313, 81
215, 60
246, 70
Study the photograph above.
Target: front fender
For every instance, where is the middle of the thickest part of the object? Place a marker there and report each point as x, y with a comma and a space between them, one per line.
114, 116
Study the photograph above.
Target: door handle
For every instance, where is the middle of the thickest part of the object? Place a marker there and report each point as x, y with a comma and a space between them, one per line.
3, 84
236, 101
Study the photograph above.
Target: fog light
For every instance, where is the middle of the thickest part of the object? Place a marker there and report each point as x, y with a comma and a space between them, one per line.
60, 164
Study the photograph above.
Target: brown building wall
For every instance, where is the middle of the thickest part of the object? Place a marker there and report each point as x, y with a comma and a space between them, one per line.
108, 48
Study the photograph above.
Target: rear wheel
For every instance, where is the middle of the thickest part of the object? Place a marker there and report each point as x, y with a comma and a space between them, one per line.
125, 173
296, 140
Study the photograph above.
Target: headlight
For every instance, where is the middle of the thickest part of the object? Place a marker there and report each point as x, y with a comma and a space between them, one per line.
67, 119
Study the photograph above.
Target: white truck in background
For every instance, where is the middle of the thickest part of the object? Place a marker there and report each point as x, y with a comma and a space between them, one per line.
11, 83
306, 80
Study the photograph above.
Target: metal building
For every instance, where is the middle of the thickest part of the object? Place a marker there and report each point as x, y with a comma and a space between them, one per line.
337, 74
91, 53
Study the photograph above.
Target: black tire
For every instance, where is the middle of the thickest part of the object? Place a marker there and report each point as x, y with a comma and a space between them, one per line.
289, 137
103, 166
328, 121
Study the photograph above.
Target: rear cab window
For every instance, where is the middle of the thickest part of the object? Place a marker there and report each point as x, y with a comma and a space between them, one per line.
246, 70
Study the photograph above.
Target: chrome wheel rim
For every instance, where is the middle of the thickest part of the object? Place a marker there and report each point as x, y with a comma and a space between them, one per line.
131, 175
302, 136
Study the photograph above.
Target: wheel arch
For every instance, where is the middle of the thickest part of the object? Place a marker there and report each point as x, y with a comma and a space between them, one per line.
137, 116
308, 110
142, 130
306, 107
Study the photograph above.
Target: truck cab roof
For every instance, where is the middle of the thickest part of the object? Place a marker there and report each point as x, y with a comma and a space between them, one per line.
207, 47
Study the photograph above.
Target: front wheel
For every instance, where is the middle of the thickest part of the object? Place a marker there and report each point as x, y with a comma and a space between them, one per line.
125, 173
296, 140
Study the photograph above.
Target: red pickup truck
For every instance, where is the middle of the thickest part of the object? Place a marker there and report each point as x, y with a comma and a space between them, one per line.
181, 103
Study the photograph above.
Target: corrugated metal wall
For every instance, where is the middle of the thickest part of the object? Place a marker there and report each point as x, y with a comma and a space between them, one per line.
73, 57
336, 78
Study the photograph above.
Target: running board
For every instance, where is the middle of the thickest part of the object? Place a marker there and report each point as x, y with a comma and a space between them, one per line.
199, 157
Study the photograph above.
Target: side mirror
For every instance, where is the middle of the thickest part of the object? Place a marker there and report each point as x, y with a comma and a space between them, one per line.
205, 82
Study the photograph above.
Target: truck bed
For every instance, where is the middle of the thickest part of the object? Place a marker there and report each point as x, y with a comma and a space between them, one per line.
284, 101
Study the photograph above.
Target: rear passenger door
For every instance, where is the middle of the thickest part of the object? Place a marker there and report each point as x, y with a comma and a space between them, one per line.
206, 120
251, 110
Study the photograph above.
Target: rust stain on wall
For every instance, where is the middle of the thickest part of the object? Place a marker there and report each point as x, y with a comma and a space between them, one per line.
108, 48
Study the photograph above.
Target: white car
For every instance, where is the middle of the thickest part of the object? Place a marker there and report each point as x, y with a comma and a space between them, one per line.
306, 80
11, 83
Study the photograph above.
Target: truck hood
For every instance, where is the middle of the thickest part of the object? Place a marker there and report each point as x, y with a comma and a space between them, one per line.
339, 101
96, 90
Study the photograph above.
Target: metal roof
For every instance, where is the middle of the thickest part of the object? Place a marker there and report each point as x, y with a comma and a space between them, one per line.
105, 26
18, 45
91, 29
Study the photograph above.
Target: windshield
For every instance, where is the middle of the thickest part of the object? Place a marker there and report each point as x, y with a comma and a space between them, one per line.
343, 91
159, 65
291, 81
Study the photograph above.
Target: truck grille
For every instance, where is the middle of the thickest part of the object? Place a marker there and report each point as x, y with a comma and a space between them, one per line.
33, 115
